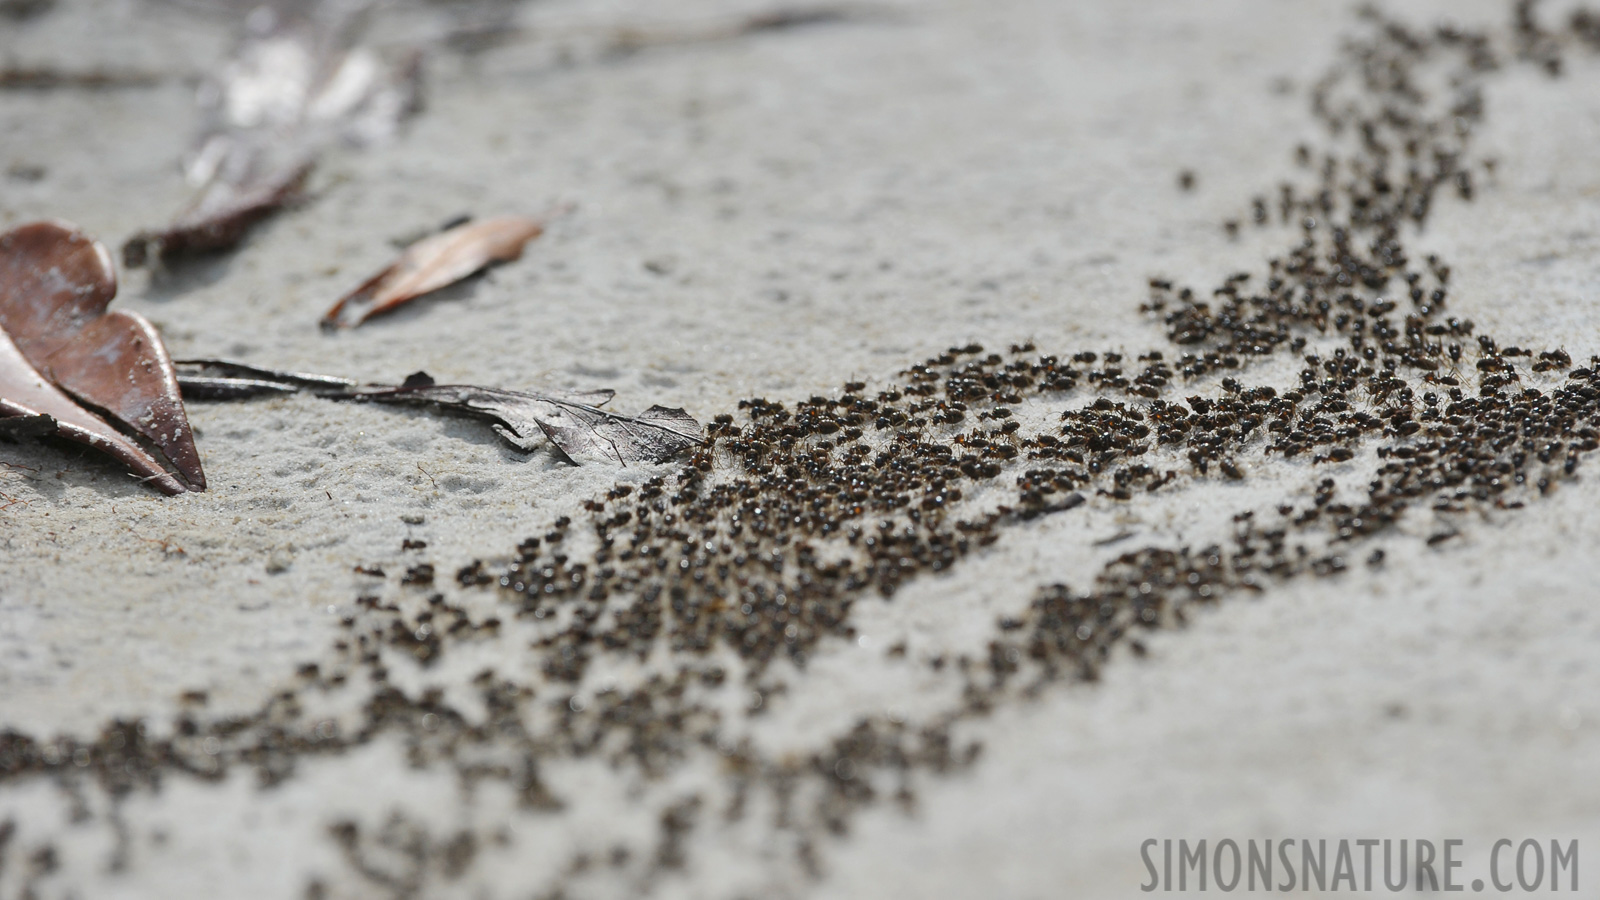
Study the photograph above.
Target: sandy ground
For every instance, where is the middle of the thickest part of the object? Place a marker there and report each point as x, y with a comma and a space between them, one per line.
771, 216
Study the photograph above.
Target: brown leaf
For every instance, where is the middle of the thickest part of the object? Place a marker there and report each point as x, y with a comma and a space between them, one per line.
55, 280
221, 217
118, 363
55, 284
298, 82
24, 392
433, 263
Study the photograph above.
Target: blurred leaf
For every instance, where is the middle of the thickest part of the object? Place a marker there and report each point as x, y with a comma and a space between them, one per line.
298, 82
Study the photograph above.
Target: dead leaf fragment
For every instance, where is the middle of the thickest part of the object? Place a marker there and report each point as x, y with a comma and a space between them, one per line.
218, 379
118, 363
633, 39
433, 263
219, 218
655, 435
24, 392
572, 422
297, 83
55, 285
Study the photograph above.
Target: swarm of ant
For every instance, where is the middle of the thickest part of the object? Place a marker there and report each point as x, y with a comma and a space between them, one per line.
747, 559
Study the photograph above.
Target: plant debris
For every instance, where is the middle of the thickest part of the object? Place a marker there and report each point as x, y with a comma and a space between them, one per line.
216, 379
24, 392
572, 422
219, 218
433, 263
486, 26
782, 18
55, 285
51, 78
297, 84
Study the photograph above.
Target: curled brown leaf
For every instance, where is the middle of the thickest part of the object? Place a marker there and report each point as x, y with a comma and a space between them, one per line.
433, 263
118, 364
55, 284
24, 392
56, 280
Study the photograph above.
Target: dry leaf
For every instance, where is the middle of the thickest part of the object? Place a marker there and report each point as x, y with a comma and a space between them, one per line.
118, 364
55, 284
655, 435
433, 263
219, 218
572, 422
634, 39
56, 280
296, 83
217, 379
24, 392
